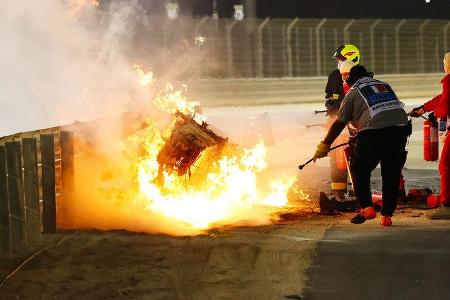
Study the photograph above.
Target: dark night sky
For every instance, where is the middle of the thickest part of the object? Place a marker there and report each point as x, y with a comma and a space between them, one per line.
436, 9
355, 9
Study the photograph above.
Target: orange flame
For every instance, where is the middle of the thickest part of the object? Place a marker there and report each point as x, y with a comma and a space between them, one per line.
226, 184
230, 186
145, 78
218, 192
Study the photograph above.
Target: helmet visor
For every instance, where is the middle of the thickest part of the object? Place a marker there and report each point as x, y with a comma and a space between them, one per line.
339, 56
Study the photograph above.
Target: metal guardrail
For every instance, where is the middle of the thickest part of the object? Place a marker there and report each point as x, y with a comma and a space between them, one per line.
261, 48
36, 172
267, 91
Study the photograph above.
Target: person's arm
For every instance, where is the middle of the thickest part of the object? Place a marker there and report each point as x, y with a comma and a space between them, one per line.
442, 108
329, 88
334, 131
432, 104
325, 146
334, 89
343, 117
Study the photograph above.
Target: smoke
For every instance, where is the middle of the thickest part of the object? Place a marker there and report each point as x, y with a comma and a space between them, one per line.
60, 64
66, 60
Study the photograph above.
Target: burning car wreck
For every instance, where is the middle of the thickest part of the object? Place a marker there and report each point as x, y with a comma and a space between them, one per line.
186, 143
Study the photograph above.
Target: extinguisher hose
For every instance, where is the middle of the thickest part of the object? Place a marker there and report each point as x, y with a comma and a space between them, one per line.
331, 149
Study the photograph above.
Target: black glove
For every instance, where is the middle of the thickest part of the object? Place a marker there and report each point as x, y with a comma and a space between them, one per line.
417, 112
329, 103
432, 117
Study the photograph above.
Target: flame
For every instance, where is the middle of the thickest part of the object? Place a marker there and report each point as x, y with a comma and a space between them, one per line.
218, 191
145, 78
229, 186
172, 101
226, 184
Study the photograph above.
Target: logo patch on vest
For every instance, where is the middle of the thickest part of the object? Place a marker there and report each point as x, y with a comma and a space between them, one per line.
378, 95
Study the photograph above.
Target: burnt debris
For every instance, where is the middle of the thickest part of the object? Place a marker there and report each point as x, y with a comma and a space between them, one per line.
185, 145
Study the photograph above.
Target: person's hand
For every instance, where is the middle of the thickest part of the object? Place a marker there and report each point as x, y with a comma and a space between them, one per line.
329, 103
321, 151
432, 117
417, 112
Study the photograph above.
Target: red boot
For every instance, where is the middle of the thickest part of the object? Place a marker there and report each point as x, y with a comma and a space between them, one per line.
386, 221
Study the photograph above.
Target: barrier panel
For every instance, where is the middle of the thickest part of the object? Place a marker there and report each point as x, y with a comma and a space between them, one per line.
36, 170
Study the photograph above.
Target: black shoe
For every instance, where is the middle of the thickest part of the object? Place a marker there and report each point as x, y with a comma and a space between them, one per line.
358, 219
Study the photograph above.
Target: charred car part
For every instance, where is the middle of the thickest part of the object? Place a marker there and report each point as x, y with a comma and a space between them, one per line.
185, 145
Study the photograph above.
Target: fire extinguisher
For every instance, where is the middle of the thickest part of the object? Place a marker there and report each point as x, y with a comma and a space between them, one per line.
442, 127
430, 139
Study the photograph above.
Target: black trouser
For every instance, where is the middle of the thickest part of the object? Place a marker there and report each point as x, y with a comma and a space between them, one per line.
387, 147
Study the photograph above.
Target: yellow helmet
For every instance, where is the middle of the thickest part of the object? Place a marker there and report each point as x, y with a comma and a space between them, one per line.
347, 52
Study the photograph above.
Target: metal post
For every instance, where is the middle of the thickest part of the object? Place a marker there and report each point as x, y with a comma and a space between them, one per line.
397, 45
319, 59
270, 64
297, 47
311, 49
421, 47
261, 48
5, 230
30, 170
48, 182
336, 44
372, 44
67, 171
446, 27
199, 55
289, 45
15, 194
360, 42
283, 52
436, 55
230, 47
346, 33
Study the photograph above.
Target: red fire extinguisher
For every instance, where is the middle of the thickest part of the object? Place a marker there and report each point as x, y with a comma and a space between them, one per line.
430, 139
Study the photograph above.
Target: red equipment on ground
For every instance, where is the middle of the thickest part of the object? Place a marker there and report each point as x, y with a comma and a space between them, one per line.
418, 196
433, 201
430, 140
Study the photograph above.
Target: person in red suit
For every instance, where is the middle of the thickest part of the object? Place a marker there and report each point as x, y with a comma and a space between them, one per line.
440, 105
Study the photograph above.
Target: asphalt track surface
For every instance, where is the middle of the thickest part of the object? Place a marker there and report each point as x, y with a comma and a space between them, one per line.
360, 262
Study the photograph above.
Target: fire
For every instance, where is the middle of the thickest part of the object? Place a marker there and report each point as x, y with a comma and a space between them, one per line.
133, 181
220, 191
171, 101
230, 186
145, 78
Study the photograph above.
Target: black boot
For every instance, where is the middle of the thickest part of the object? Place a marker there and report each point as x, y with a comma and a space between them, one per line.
327, 205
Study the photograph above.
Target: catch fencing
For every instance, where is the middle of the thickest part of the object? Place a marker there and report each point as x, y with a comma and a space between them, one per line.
273, 48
